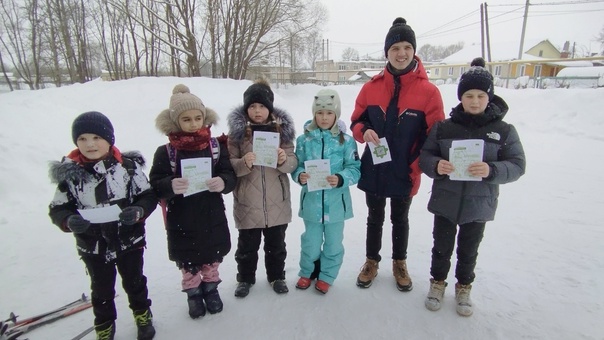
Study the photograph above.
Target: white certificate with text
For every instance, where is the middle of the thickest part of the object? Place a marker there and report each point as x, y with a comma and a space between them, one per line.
265, 146
318, 170
197, 171
463, 153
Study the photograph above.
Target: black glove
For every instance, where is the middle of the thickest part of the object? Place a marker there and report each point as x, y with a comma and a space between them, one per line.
77, 224
5, 334
131, 215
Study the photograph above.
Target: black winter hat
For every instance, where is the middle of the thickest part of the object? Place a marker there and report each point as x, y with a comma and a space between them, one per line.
399, 31
92, 122
476, 78
259, 92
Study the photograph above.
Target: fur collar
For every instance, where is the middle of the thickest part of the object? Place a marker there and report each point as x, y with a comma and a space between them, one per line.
69, 171
166, 125
237, 121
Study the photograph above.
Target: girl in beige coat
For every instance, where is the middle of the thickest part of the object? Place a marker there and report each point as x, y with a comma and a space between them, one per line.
262, 202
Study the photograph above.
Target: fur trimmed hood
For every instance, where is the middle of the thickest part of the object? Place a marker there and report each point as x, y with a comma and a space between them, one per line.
166, 125
238, 121
68, 170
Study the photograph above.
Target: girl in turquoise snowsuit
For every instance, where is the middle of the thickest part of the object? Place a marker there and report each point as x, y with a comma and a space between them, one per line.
324, 211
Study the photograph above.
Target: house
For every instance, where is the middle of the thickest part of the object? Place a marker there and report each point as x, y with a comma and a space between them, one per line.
540, 59
339, 72
363, 76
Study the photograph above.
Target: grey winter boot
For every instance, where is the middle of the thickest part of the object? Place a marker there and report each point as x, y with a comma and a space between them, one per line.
212, 298
435, 296
464, 302
195, 302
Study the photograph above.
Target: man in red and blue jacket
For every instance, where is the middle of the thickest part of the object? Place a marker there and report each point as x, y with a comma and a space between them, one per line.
401, 105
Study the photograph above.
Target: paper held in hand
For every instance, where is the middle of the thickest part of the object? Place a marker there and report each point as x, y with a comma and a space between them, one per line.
463, 153
265, 147
101, 215
197, 171
380, 153
318, 170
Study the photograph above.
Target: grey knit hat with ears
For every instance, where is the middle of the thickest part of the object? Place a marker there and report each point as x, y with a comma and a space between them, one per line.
326, 99
182, 100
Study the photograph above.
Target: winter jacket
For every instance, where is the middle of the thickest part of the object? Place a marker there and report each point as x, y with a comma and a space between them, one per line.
116, 180
196, 225
419, 107
262, 197
473, 201
332, 205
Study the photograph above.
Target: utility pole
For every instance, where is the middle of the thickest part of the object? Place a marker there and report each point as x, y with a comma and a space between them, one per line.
482, 41
486, 19
520, 51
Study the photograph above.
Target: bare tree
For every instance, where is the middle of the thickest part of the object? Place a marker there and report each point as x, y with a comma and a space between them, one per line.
600, 38
249, 31
19, 39
350, 53
313, 49
434, 53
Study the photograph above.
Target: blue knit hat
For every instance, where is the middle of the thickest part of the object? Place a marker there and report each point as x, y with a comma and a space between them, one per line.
92, 122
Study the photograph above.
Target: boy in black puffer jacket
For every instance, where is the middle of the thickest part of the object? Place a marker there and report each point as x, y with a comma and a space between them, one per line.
472, 200
97, 175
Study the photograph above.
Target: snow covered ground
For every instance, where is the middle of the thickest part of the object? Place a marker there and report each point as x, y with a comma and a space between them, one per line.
540, 271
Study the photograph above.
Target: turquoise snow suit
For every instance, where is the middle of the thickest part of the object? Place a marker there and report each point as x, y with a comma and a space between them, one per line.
324, 211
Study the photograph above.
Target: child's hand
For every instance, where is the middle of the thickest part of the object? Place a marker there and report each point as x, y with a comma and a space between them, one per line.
479, 169
249, 159
444, 167
215, 184
180, 185
281, 156
303, 178
333, 180
130, 215
77, 224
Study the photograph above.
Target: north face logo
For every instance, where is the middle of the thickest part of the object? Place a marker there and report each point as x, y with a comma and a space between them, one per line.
494, 135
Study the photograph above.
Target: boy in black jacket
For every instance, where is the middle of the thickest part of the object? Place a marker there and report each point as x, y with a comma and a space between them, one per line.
472, 200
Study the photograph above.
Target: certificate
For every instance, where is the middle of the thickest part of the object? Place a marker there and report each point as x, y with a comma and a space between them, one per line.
380, 153
463, 153
318, 170
101, 215
197, 171
265, 146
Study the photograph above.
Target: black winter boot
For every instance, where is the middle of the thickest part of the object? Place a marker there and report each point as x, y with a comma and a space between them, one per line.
195, 302
105, 331
211, 297
144, 324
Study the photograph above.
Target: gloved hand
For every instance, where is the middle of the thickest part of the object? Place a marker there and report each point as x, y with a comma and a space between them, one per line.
215, 184
5, 334
132, 214
77, 224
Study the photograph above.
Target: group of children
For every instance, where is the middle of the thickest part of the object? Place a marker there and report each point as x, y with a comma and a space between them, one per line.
97, 175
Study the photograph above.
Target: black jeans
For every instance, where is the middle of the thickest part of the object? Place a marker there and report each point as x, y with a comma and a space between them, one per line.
468, 241
102, 283
399, 216
248, 244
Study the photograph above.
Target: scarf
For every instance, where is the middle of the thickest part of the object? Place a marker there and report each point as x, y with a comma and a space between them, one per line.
190, 141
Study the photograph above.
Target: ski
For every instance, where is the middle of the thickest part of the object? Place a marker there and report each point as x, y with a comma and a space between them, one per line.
52, 317
83, 333
18, 322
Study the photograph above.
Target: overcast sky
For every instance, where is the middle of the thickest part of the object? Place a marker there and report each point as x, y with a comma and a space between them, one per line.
363, 24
